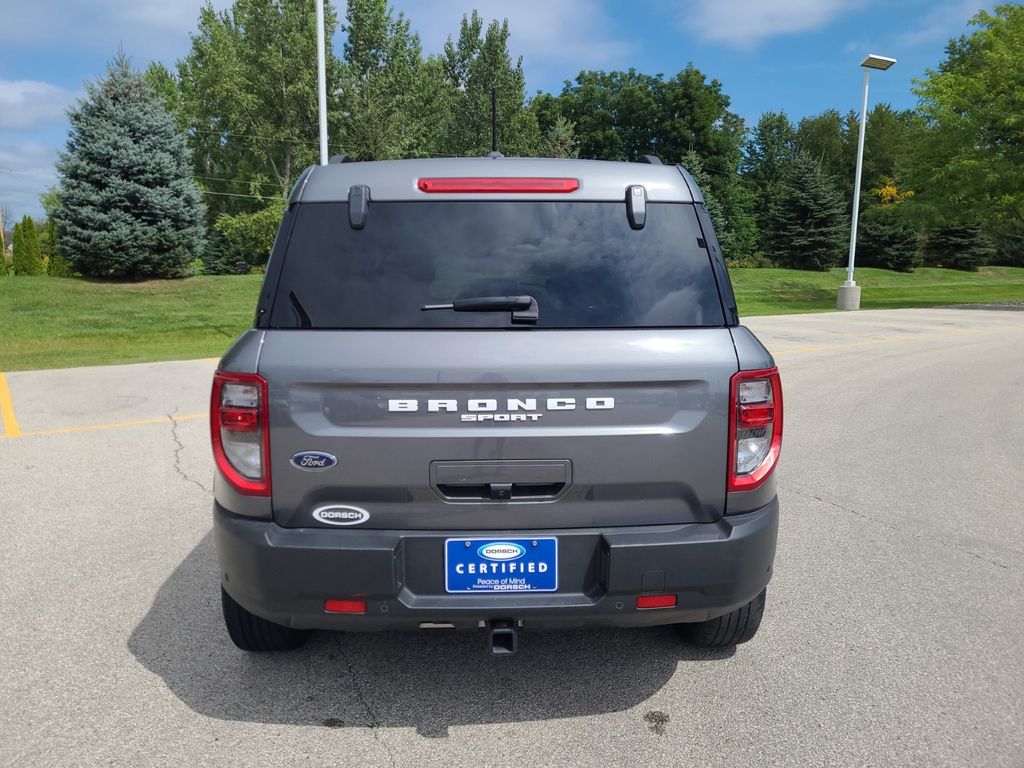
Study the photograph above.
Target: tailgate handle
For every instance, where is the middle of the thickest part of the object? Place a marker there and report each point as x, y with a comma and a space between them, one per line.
483, 481
501, 491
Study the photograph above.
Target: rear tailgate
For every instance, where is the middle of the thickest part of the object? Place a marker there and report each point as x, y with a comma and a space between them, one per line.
470, 430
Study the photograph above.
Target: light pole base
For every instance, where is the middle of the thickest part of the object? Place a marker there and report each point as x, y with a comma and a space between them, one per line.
849, 297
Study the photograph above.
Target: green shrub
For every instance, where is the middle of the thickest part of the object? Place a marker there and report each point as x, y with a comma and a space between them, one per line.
756, 260
242, 242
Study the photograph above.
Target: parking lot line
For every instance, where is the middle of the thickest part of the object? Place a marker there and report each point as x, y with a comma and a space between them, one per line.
112, 425
7, 419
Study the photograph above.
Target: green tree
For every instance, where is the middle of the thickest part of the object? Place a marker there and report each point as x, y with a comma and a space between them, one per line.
615, 113
970, 157
28, 259
476, 63
249, 90
165, 85
767, 151
393, 102
887, 238
559, 140
56, 264
128, 206
694, 115
963, 246
830, 139
807, 225
737, 233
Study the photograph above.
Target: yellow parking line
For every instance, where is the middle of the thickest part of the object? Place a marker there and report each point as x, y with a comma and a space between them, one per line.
113, 425
7, 420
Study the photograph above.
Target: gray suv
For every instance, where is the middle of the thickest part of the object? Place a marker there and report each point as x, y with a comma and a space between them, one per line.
495, 393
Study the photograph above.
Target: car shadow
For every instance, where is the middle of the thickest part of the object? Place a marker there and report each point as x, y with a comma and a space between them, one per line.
430, 680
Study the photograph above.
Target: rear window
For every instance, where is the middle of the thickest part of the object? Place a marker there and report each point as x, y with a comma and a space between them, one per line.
581, 261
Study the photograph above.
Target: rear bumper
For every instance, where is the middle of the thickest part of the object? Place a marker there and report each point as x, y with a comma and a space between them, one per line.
285, 574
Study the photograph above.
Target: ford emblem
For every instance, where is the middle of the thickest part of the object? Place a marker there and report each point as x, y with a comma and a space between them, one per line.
340, 514
313, 461
501, 550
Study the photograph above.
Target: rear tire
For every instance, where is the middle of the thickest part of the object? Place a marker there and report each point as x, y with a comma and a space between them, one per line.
251, 633
733, 628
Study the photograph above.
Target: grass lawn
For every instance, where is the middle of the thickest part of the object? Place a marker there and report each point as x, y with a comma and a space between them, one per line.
787, 291
49, 322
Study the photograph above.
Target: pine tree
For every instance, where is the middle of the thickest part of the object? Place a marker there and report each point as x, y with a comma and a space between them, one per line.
959, 246
737, 233
129, 207
885, 238
807, 225
28, 259
559, 140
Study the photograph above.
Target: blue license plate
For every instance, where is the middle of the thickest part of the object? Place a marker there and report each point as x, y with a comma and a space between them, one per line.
501, 565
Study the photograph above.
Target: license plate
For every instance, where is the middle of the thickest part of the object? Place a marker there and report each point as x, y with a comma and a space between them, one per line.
501, 565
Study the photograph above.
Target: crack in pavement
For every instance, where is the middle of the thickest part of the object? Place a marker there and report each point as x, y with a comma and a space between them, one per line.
179, 447
896, 527
372, 722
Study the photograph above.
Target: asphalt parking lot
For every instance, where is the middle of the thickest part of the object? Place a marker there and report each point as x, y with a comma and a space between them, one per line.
893, 634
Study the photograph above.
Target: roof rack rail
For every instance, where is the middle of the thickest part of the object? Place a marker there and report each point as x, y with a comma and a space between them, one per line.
650, 160
335, 159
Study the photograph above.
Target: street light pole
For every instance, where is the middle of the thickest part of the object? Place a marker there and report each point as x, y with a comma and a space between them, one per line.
856, 181
849, 292
321, 78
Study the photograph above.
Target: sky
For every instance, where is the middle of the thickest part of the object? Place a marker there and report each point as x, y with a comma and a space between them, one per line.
798, 56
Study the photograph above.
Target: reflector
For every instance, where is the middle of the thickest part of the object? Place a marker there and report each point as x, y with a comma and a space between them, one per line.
656, 601
345, 606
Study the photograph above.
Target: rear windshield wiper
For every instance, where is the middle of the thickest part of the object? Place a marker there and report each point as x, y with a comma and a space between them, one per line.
524, 309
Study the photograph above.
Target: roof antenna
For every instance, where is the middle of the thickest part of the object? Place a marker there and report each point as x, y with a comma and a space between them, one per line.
494, 124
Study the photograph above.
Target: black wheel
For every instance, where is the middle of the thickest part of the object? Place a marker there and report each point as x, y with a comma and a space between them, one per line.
251, 633
732, 629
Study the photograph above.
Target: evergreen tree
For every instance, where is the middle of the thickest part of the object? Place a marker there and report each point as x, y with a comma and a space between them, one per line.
765, 155
559, 140
887, 239
959, 246
807, 225
736, 231
129, 207
28, 259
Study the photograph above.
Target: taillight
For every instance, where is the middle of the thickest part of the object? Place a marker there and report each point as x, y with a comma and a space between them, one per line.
239, 431
484, 185
755, 427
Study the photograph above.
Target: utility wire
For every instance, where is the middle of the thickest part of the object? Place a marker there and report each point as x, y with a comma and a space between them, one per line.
238, 194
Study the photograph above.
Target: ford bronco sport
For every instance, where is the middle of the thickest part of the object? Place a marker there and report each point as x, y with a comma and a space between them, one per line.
495, 393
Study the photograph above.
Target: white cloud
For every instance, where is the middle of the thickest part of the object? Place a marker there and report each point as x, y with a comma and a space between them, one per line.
26, 169
551, 35
27, 103
156, 29
744, 23
942, 22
